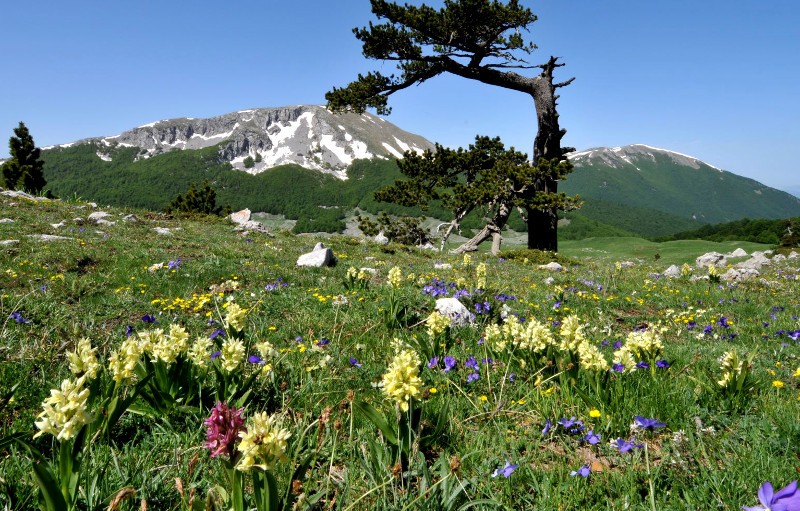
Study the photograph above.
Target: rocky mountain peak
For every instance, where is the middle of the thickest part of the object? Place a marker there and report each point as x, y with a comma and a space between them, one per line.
307, 135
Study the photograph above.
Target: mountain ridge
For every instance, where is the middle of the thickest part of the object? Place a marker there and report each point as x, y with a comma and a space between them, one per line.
637, 188
306, 135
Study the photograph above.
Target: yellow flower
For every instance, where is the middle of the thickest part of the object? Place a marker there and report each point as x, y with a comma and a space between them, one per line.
594, 413
395, 277
200, 352
234, 317
232, 354
480, 276
65, 410
777, 384
433, 390
83, 360
484, 399
122, 362
797, 373
263, 443
437, 323
401, 382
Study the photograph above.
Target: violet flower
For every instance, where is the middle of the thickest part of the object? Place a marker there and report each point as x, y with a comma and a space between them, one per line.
648, 424
785, 499
506, 471
584, 471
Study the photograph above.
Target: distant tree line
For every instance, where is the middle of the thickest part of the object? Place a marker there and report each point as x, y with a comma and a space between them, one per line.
773, 232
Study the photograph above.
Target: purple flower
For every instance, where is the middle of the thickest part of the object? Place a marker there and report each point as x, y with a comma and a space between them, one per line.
547, 425
624, 446
584, 471
472, 377
471, 363
785, 499
642, 365
149, 318
174, 265
573, 426
449, 363
618, 368
215, 354
128, 330
592, 437
255, 359
355, 362
691, 324
16, 316
462, 293
662, 364
511, 377
506, 471
617, 345
224, 426
556, 306
708, 330
723, 322
217, 333
323, 342
433, 362
648, 424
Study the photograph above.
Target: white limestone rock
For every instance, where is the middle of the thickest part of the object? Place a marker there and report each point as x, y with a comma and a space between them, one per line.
240, 217
672, 272
552, 266
459, 315
710, 259
320, 257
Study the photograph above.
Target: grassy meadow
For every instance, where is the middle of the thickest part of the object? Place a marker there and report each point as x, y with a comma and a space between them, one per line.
607, 387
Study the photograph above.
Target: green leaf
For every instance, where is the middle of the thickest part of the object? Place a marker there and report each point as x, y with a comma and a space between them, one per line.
51, 491
378, 419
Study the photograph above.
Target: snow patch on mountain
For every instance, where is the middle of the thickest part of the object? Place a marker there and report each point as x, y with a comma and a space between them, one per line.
616, 157
305, 135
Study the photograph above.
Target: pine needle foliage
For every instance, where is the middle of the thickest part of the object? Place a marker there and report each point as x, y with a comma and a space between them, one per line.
197, 202
24, 171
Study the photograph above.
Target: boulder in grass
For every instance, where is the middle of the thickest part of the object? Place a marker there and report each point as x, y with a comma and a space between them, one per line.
381, 239
450, 307
793, 255
710, 259
320, 257
739, 274
756, 261
240, 217
98, 215
739, 252
553, 266
672, 272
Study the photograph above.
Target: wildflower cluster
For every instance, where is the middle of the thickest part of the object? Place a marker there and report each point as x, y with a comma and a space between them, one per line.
735, 372
437, 323
83, 361
401, 382
65, 411
642, 349
262, 444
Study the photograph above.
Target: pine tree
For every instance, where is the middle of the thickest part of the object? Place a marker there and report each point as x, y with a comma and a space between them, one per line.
478, 40
24, 171
196, 202
486, 177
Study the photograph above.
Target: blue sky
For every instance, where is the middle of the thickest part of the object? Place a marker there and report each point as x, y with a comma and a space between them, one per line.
714, 79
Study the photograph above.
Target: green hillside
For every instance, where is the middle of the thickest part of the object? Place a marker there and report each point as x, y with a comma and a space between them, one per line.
707, 194
657, 200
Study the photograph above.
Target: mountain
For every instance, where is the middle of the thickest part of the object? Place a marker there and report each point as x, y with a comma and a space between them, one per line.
318, 167
305, 135
675, 190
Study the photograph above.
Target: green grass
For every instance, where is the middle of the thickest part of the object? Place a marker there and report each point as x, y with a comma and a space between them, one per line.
714, 452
